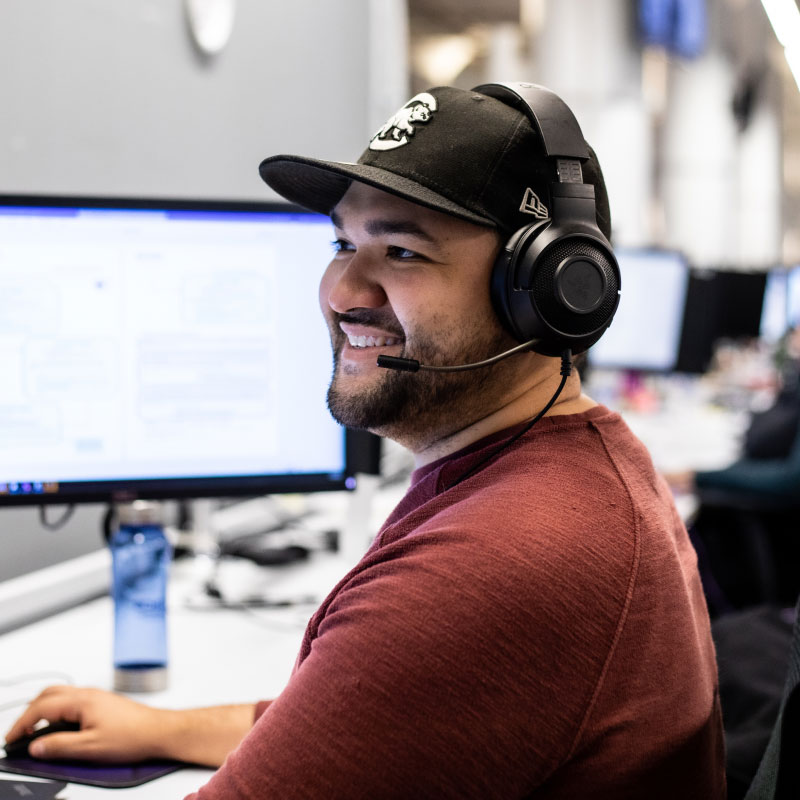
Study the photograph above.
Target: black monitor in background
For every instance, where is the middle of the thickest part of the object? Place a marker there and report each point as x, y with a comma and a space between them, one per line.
720, 304
165, 349
646, 329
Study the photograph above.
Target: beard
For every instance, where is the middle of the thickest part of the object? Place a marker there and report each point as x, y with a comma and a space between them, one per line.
407, 405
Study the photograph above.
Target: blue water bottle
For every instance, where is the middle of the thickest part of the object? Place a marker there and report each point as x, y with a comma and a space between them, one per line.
140, 556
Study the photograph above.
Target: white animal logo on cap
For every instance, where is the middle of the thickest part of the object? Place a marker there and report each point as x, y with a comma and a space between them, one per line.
396, 131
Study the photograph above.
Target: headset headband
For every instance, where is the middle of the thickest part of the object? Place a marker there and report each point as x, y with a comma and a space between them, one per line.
552, 117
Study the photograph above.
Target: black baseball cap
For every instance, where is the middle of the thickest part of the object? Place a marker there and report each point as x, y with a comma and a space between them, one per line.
460, 152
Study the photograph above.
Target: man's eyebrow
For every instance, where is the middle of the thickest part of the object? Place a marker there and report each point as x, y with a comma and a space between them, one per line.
377, 227
336, 220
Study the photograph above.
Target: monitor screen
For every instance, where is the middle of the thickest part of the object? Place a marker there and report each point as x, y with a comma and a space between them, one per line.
162, 349
645, 332
793, 297
775, 307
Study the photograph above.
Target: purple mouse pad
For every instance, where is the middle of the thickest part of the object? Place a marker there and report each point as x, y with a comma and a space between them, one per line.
108, 775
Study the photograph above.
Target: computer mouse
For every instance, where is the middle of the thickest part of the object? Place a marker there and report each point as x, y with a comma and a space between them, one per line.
19, 747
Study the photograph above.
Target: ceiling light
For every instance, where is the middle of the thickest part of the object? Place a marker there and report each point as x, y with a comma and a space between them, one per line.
440, 59
785, 20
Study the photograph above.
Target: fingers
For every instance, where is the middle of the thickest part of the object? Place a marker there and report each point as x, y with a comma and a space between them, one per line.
113, 728
79, 745
83, 745
54, 703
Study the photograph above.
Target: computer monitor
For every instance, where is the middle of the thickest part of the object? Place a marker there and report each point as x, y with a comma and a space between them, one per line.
775, 307
645, 332
793, 297
720, 304
163, 349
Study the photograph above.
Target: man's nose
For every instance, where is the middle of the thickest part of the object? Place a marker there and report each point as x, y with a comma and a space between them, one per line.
353, 286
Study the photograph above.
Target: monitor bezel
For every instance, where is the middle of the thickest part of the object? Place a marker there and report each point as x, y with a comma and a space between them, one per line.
127, 490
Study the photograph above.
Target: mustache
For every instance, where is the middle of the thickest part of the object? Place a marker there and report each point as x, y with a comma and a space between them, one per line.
372, 318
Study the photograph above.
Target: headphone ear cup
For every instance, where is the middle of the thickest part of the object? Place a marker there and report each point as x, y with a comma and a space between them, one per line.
502, 284
556, 285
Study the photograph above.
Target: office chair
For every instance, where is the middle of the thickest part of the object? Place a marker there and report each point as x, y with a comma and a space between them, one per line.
778, 775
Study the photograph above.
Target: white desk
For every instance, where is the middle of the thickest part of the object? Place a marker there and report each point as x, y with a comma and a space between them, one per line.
217, 655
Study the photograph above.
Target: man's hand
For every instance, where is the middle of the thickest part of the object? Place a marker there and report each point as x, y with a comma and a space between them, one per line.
115, 729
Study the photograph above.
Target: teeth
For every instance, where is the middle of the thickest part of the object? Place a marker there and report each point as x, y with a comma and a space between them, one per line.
371, 341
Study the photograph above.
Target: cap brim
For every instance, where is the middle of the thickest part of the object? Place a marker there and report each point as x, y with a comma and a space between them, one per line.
320, 185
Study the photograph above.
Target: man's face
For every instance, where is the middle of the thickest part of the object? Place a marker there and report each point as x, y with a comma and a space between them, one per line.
409, 281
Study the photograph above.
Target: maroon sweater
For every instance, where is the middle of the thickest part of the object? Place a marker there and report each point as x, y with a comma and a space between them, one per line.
537, 631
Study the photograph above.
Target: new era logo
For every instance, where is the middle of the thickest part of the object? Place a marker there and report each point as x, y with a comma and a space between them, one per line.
531, 204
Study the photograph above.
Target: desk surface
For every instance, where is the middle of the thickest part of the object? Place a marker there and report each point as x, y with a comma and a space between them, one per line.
217, 655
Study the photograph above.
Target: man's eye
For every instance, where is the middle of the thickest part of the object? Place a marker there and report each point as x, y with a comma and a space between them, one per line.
402, 253
341, 246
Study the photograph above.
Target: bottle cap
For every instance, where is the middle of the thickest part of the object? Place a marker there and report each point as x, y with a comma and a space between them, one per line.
138, 679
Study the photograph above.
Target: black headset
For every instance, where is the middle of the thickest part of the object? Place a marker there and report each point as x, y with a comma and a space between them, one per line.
556, 280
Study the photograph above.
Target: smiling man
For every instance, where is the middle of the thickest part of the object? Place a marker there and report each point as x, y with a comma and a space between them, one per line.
529, 621
410, 280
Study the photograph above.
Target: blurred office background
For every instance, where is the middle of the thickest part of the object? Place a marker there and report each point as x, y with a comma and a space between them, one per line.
692, 107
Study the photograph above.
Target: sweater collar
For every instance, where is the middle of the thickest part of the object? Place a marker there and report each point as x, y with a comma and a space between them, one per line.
464, 458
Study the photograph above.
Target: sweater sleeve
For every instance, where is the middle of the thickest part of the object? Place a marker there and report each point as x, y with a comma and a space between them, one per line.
417, 684
769, 477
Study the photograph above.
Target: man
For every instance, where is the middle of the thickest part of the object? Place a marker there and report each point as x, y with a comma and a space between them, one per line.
529, 621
